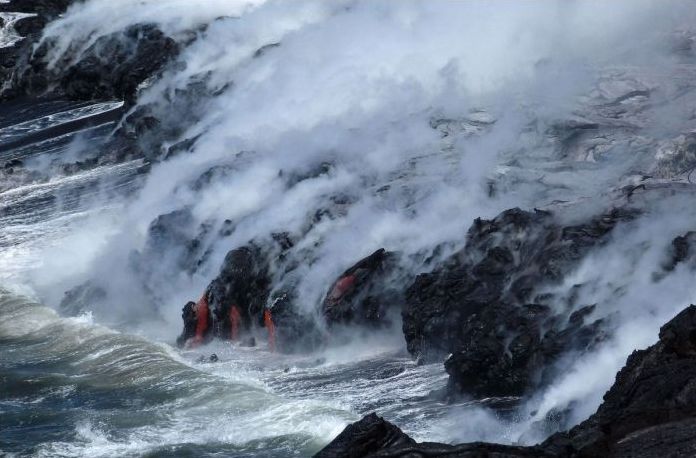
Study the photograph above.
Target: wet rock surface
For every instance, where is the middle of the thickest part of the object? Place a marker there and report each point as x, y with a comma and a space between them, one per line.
481, 306
240, 298
363, 293
233, 302
240, 291
110, 68
650, 411
364, 438
29, 29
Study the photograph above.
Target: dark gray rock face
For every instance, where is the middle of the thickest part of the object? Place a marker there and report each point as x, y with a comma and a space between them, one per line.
654, 394
30, 29
80, 296
233, 301
243, 283
112, 68
363, 293
240, 297
294, 332
372, 436
480, 305
364, 438
650, 411
49, 8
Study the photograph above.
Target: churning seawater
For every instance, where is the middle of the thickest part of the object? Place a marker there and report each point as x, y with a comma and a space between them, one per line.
73, 387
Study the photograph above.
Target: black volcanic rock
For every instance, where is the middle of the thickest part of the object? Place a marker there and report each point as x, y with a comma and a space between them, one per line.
30, 29
240, 297
364, 438
650, 411
239, 300
188, 315
480, 305
243, 282
294, 331
372, 436
111, 68
77, 299
653, 397
48, 8
233, 301
363, 293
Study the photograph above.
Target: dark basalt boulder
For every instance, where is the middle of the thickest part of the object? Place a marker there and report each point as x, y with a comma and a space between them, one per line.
364, 438
188, 315
372, 436
240, 298
293, 331
173, 238
480, 306
239, 292
506, 353
363, 293
650, 411
232, 302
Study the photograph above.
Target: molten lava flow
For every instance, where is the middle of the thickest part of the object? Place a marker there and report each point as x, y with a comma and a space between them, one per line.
201, 319
235, 319
341, 287
268, 322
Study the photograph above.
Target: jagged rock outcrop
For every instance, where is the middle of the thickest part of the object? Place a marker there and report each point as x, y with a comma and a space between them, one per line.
293, 331
364, 438
238, 294
240, 298
650, 407
238, 301
650, 411
111, 68
481, 306
363, 293
35, 15
233, 301
77, 299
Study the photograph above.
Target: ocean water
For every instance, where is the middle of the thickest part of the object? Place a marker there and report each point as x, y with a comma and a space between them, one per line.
74, 388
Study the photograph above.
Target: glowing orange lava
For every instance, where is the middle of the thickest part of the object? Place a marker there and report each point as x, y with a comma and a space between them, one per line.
201, 319
268, 322
235, 319
341, 287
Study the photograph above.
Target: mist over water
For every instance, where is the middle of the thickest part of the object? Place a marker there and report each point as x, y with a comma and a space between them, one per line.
349, 126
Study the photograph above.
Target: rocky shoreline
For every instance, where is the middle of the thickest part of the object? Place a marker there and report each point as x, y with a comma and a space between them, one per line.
650, 411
